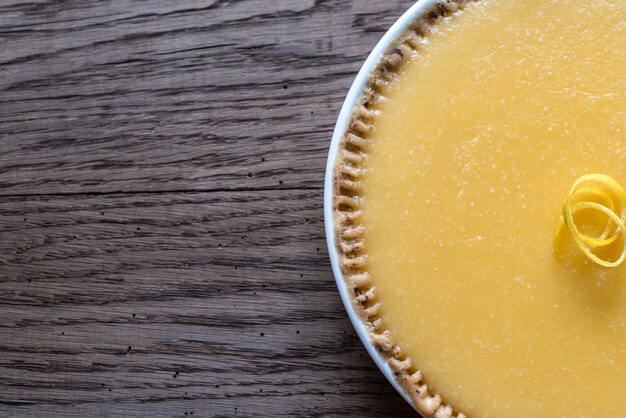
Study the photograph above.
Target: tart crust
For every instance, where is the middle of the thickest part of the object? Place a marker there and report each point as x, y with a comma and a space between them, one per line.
347, 200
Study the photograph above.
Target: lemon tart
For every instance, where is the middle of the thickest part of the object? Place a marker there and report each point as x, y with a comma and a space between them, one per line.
448, 187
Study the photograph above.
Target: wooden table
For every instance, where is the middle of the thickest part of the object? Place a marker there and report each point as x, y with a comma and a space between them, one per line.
162, 250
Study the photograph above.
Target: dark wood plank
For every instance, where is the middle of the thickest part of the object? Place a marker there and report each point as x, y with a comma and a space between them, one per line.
161, 237
159, 95
160, 304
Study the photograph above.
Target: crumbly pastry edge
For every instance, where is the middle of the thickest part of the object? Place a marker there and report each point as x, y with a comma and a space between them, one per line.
347, 200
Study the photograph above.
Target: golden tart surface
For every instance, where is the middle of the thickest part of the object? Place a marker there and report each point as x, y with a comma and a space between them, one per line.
449, 189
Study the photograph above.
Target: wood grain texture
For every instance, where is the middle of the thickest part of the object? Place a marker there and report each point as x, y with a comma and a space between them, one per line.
102, 96
161, 236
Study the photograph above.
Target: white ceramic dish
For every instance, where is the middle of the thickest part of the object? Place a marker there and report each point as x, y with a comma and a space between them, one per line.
415, 12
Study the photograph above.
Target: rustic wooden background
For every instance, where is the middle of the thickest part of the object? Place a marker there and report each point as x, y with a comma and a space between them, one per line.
161, 233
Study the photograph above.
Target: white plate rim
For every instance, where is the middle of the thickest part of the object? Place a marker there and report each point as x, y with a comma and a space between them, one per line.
419, 9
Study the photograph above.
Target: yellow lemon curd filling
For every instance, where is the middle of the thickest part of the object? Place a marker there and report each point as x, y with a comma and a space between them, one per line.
476, 144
